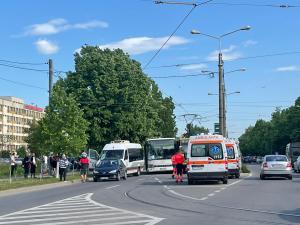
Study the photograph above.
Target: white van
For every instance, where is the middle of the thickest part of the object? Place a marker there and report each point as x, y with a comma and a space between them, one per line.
207, 158
234, 158
130, 153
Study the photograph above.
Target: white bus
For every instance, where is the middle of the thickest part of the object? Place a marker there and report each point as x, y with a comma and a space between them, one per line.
130, 153
158, 153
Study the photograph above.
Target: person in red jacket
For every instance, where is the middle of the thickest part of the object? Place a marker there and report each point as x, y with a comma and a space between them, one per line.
84, 162
179, 160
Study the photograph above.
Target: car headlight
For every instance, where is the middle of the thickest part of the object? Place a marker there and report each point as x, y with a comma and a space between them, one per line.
95, 171
113, 171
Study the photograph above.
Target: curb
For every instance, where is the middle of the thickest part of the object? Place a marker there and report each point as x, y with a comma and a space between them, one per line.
36, 188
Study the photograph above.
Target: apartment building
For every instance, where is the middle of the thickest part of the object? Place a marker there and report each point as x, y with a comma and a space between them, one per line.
15, 118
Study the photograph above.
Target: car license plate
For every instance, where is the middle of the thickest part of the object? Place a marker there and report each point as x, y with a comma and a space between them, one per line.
104, 178
197, 167
163, 168
277, 165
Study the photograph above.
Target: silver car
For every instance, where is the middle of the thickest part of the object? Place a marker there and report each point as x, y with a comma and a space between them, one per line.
276, 166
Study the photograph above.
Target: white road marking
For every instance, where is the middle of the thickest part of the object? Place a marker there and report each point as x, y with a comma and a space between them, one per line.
211, 194
112, 187
69, 211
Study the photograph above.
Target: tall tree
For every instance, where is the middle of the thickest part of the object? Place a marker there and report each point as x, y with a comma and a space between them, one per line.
118, 99
62, 130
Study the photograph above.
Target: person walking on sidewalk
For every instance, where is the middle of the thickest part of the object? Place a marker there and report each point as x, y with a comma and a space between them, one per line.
63, 165
84, 166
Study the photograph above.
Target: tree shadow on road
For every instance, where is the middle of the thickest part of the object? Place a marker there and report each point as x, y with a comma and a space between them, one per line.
291, 215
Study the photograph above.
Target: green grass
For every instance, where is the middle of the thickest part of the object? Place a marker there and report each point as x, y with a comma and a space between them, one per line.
18, 183
245, 169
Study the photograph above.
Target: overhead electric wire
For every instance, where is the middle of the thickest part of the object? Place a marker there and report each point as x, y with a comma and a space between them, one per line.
172, 34
23, 84
255, 5
23, 63
178, 76
23, 68
239, 58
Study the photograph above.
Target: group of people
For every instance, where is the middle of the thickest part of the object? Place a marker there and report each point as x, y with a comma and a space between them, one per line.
29, 165
178, 160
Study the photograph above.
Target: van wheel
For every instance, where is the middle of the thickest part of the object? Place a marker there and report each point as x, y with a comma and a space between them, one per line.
95, 179
190, 181
118, 176
262, 177
237, 175
290, 177
225, 180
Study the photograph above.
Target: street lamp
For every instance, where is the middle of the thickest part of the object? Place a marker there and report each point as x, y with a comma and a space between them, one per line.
221, 75
231, 93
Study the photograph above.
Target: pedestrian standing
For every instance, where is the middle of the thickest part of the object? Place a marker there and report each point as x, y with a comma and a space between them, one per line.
32, 165
84, 167
13, 164
63, 165
26, 165
179, 159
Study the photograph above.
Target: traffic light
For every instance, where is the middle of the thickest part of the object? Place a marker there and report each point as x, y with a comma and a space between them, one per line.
217, 128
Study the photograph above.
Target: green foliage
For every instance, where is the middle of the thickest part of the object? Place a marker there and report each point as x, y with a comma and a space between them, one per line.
270, 137
119, 101
4, 154
21, 152
192, 130
62, 130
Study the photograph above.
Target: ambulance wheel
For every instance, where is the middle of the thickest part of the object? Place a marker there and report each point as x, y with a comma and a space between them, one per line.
225, 180
237, 175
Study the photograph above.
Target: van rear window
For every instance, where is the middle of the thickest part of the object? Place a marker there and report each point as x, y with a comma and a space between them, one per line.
207, 150
230, 152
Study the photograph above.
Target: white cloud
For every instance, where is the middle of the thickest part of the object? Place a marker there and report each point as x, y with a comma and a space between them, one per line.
228, 54
46, 47
140, 45
59, 25
194, 67
249, 43
288, 69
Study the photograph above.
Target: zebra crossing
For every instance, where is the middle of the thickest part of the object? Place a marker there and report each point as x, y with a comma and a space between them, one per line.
80, 209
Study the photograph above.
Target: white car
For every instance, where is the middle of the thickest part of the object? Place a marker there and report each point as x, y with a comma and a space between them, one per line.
297, 165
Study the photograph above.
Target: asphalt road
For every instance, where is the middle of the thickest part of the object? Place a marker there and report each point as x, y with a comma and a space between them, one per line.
156, 199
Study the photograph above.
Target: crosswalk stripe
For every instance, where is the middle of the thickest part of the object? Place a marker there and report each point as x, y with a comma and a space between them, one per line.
77, 210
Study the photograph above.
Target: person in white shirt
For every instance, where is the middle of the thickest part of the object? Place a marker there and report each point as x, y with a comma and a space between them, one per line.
13, 164
32, 165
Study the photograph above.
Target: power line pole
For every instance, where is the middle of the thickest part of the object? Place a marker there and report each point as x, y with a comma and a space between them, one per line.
50, 63
221, 95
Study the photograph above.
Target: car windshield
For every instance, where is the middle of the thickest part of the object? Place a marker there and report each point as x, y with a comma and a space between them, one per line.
112, 154
276, 158
161, 149
107, 163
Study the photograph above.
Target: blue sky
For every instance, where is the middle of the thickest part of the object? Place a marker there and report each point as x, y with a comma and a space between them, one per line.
34, 31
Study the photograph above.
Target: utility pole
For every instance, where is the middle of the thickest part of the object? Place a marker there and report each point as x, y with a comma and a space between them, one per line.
221, 95
50, 63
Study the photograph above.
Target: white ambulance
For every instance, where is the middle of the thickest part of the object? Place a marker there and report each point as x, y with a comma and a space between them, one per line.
234, 158
130, 153
207, 158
